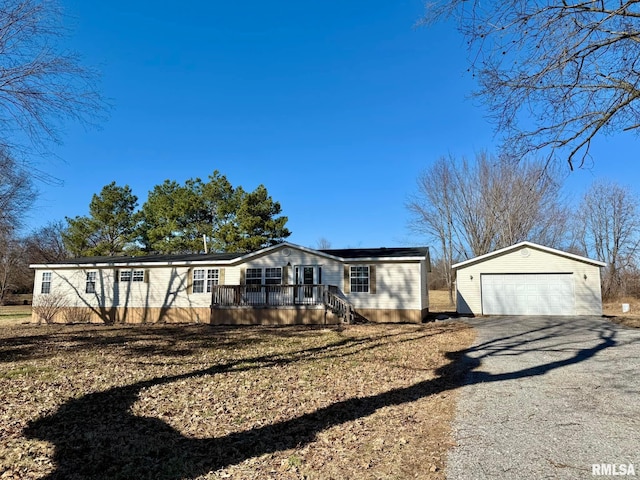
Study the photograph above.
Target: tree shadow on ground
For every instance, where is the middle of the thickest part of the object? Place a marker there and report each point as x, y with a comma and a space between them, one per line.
138, 340
560, 341
97, 436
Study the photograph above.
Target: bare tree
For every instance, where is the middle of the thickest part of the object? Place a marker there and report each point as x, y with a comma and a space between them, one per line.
46, 244
472, 208
16, 193
43, 245
512, 201
323, 244
41, 83
439, 275
11, 254
554, 74
608, 228
433, 213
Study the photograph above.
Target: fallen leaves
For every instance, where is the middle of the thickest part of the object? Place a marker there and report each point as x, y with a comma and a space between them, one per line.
211, 402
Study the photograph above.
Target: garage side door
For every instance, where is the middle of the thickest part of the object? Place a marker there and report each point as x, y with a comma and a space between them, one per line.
528, 294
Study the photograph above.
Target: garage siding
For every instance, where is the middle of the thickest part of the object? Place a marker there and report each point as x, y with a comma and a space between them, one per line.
528, 260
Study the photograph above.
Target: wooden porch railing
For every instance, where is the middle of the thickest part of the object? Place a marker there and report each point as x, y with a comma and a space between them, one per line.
266, 295
338, 305
281, 296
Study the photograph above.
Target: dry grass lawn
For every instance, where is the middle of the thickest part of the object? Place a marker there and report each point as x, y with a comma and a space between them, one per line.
613, 310
172, 402
439, 302
12, 315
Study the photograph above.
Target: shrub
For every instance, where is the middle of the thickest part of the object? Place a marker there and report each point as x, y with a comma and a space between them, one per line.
47, 307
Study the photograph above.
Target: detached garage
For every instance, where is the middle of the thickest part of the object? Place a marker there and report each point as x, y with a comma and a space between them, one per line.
529, 279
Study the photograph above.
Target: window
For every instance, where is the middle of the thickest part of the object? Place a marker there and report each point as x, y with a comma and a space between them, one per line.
91, 282
253, 276
128, 275
46, 282
273, 276
213, 277
198, 280
360, 279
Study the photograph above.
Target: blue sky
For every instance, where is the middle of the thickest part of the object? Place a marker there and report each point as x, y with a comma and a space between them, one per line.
336, 107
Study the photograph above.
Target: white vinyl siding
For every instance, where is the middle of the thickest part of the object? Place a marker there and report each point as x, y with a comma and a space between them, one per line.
398, 287
585, 277
398, 284
331, 270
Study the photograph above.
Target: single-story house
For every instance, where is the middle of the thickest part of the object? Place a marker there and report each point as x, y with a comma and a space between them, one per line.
281, 284
528, 279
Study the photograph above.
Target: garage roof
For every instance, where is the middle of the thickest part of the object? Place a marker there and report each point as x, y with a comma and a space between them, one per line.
520, 245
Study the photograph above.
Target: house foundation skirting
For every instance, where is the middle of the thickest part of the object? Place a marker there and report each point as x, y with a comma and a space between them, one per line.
294, 315
273, 316
392, 315
130, 315
308, 316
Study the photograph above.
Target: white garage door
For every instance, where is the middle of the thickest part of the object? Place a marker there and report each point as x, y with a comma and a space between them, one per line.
528, 294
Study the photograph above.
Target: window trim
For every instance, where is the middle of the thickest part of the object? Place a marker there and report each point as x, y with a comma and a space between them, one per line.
253, 279
90, 282
197, 279
360, 287
263, 276
271, 279
203, 279
213, 278
131, 275
46, 280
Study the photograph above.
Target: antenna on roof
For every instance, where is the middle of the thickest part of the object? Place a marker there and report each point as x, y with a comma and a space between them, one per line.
204, 240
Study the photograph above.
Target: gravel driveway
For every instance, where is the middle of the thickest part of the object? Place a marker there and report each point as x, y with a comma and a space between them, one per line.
548, 398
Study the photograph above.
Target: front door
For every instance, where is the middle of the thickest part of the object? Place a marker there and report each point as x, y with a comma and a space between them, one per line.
306, 277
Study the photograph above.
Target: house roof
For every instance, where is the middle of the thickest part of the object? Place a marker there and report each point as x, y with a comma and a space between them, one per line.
227, 258
364, 253
178, 258
520, 245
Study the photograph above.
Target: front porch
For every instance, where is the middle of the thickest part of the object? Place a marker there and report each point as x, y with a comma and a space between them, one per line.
279, 304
